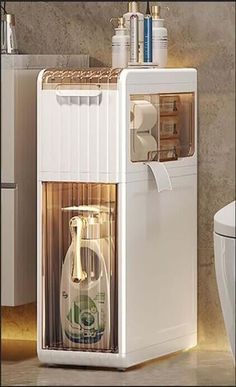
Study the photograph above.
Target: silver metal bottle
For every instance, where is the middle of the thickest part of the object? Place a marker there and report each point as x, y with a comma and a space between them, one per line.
134, 39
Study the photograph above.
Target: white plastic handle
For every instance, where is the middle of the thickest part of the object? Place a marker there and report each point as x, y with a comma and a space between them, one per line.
78, 93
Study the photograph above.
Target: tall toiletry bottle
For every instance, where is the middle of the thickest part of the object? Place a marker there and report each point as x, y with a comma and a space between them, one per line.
134, 39
120, 45
147, 36
159, 37
133, 8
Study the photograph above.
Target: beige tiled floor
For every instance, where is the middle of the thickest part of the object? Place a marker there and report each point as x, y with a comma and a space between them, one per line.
192, 368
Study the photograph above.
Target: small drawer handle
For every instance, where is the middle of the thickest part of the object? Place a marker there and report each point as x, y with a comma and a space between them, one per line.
78, 93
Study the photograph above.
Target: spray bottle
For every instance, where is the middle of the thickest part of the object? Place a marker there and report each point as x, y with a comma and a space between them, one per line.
159, 37
120, 44
133, 9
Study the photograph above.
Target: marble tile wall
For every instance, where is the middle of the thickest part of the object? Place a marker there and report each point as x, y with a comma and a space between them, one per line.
201, 35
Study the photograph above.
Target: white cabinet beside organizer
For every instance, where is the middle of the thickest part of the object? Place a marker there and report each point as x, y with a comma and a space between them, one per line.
18, 172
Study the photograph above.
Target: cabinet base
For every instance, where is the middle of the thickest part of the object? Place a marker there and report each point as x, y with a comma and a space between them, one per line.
113, 360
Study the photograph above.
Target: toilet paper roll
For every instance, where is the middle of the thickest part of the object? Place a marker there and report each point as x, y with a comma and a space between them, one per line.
144, 143
145, 115
161, 175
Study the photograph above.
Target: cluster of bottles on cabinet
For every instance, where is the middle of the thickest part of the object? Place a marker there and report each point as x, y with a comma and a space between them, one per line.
139, 39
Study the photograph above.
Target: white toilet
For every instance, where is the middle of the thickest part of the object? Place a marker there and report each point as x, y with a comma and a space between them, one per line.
224, 246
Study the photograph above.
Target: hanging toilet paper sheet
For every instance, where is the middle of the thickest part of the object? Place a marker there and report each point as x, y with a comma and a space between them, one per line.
161, 175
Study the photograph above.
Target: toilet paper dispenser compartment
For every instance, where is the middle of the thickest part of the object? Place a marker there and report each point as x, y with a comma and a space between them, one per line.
161, 126
144, 135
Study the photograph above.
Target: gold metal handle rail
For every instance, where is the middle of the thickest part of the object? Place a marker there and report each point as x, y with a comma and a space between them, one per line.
81, 76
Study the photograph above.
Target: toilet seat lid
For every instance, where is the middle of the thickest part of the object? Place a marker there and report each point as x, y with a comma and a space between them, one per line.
224, 221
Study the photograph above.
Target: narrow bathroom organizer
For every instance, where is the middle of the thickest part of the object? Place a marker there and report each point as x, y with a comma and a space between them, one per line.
117, 215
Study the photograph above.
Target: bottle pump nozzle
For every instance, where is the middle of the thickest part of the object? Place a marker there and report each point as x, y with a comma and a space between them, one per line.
156, 11
119, 21
133, 6
76, 226
148, 8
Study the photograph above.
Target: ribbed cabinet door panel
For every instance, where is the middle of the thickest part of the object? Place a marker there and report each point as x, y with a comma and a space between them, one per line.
77, 136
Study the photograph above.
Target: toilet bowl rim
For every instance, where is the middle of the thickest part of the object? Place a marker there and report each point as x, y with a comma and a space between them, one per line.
224, 235
224, 221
